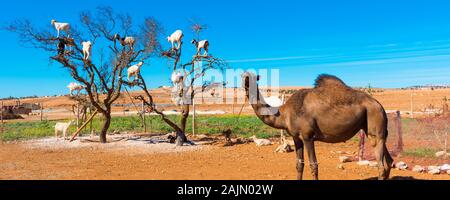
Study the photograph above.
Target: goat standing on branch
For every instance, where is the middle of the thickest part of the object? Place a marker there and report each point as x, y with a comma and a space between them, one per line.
176, 37
204, 44
75, 87
135, 70
61, 27
87, 47
126, 41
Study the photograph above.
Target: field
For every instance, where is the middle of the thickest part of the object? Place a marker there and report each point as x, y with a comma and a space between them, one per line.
29, 151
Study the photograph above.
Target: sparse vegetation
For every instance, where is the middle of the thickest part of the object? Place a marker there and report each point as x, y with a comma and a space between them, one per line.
420, 152
245, 126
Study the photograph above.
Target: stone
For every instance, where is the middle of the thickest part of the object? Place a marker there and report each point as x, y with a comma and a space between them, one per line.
363, 163
401, 166
448, 172
434, 170
373, 164
445, 167
418, 169
341, 167
345, 159
441, 154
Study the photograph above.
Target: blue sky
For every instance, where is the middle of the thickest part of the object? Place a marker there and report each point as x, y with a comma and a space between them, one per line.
384, 43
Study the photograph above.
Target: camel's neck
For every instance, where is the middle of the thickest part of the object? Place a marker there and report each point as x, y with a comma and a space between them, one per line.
272, 116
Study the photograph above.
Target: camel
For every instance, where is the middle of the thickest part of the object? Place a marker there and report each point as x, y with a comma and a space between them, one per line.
331, 112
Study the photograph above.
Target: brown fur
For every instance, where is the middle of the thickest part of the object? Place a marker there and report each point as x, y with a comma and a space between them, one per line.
332, 112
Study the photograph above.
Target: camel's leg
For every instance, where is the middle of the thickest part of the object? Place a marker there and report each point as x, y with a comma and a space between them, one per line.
300, 157
314, 165
362, 138
384, 159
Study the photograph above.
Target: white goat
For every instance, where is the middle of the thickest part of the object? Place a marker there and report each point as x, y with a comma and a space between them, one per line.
177, 77
134, 71
87, 47
177, 36
126, 41
204, 44
261, 142
75, 87
178, 89
63, 127
61, 27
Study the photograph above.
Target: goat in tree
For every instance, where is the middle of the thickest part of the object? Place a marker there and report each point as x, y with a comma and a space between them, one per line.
135, 70
331, 112
176, 37
204, 44
87, 47
61, 27
75, 87
126, 41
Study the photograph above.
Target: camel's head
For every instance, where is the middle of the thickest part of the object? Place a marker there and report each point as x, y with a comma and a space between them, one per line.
194, 41
249, 79
140, 64
53, 22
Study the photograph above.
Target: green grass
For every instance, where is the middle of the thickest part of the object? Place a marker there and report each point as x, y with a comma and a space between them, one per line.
245, 126
420, 152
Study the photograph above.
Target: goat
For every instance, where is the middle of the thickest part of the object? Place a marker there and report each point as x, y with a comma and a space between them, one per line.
61, 27
204, 44
134, 71
261, 142
126, 41
63, 127
177, 36
75, 87
87, 47
63, 42
178, 89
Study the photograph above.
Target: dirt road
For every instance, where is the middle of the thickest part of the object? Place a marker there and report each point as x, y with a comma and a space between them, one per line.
242, 162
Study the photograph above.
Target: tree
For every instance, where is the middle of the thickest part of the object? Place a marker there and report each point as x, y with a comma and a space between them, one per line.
194, 71
102, 75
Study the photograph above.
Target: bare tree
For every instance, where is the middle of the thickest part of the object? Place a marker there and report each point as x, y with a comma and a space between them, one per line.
102, 75
194, 71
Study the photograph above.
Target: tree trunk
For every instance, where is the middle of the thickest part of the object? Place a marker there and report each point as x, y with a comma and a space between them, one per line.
105, 128
181, 136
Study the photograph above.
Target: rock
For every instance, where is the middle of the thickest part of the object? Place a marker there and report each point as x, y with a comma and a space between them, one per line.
445, 167
401, 166
341, 167
373, 164
418, 169
448, 172
345, 159
441, 154
363, 163
434, 171
434, 168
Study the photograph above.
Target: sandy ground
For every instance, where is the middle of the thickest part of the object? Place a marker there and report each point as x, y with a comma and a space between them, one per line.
144, 159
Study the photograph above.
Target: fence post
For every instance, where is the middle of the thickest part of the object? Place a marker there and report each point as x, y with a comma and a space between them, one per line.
193, 118
399, 132
1, 116
143, 116
42, 112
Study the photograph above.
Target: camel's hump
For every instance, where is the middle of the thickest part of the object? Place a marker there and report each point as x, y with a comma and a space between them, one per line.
325, 80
